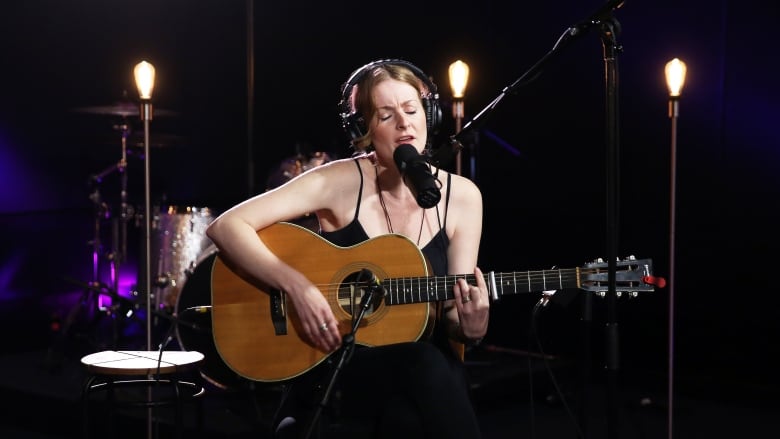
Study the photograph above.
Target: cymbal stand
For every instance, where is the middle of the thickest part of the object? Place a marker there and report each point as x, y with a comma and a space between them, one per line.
118, 254
89, 302
126, 211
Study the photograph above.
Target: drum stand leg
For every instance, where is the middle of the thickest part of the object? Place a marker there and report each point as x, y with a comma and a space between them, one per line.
55, 353
89, 304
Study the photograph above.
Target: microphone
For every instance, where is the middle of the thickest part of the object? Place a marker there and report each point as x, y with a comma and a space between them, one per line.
415, 167
601, 14
373, 286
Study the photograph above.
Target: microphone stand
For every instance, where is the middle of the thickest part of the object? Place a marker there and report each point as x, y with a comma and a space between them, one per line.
569, 35
176, 320
608, 26
345, 351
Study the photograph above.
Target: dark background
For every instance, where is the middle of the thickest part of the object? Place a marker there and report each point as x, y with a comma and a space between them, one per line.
540, 160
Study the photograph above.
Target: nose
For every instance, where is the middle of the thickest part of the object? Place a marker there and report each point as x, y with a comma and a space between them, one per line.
403, 120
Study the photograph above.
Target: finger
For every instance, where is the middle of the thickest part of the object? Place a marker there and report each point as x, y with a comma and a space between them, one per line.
480, 278
462, 293
330, 335
481, 285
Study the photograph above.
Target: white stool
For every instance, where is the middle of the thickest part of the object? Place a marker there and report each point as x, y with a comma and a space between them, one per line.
110, 370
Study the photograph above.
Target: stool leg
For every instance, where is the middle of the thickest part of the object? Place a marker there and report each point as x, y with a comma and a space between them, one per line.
178, 416
199, 414
110, 398
85, 407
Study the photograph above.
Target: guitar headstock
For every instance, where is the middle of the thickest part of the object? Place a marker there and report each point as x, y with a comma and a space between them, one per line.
632, 276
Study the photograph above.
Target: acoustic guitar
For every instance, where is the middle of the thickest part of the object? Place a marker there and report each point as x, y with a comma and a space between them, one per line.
257, 333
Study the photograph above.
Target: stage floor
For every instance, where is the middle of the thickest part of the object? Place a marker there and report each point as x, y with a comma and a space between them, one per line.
41, 380
42, 400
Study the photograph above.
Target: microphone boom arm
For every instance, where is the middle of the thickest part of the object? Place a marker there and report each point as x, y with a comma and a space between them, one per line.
604, 13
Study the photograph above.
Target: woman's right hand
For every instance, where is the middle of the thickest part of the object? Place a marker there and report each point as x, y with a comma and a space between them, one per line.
319, 325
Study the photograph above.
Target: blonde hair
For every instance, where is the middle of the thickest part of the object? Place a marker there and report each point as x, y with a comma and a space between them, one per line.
362, 102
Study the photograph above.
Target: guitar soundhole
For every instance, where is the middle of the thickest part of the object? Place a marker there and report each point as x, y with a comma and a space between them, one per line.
351, 293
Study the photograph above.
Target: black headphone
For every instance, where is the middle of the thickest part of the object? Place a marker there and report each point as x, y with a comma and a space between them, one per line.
354, 123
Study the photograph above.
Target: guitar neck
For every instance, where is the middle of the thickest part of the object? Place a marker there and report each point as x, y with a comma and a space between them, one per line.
405, 290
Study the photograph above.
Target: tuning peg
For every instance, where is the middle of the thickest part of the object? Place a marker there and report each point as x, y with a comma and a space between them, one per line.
654, 280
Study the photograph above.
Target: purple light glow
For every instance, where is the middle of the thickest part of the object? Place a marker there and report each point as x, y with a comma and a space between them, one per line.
17, 166
126, 286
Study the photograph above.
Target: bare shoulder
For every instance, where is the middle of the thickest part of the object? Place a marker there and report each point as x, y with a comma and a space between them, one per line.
338, 172
464, 190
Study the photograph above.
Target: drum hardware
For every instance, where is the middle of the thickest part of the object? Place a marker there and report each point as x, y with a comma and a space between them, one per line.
121, 108
179, 239
293, 166
159, 140
163, 280
106, 260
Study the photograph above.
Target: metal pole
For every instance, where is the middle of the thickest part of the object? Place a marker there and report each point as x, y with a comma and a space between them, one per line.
673, 113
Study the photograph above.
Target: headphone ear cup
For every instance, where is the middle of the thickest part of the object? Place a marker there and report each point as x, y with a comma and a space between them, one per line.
354, 125
432, 114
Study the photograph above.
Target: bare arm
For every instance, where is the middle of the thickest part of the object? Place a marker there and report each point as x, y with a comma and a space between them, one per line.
235, 234
467, 315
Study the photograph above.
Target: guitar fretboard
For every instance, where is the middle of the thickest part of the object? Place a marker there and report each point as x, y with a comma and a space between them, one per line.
404, 290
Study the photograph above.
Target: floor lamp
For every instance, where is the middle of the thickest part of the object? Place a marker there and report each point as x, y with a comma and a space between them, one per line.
144, 81
675, 79
459, 78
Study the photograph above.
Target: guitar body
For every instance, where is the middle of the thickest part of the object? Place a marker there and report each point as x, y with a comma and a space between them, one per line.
257, 332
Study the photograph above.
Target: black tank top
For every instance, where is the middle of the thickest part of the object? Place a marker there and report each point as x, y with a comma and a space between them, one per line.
435, 251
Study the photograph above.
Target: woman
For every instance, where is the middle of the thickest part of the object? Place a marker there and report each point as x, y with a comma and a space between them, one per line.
419, 387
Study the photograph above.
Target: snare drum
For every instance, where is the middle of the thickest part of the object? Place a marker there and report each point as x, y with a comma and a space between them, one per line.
179, 239
193, 309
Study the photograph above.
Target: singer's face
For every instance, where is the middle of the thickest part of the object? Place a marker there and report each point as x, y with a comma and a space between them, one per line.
399, 118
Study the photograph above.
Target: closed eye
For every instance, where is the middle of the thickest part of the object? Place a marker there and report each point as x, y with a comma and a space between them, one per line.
388, 116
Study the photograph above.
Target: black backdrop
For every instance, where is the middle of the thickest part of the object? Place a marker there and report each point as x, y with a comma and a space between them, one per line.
540, 160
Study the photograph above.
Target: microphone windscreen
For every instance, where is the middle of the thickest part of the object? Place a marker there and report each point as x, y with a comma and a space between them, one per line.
404, 156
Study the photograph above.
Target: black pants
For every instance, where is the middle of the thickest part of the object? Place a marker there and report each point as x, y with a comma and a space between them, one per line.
409, 390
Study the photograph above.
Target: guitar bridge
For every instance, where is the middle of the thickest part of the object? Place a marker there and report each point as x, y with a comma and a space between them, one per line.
278, 316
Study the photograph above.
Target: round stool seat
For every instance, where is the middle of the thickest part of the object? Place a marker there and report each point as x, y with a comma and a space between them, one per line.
141, 362
110, 371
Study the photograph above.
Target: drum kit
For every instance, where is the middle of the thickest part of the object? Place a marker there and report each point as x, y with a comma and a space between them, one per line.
181, 254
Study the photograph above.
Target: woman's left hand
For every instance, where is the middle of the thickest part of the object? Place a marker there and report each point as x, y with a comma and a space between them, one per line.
473, 305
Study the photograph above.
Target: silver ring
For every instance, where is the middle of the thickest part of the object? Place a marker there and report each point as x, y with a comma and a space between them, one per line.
466, 299
324, 326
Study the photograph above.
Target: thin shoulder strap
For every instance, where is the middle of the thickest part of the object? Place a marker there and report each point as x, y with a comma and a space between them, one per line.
447, 199
360, 192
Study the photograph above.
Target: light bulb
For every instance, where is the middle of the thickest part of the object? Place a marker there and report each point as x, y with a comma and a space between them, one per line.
675, 76
459, 77
144, 79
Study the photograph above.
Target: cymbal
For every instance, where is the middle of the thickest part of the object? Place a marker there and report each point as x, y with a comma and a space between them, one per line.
122, 108
155, 141
296, 165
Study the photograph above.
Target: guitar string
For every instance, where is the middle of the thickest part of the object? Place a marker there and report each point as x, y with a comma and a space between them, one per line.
524, 277
529, 278
566, 274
